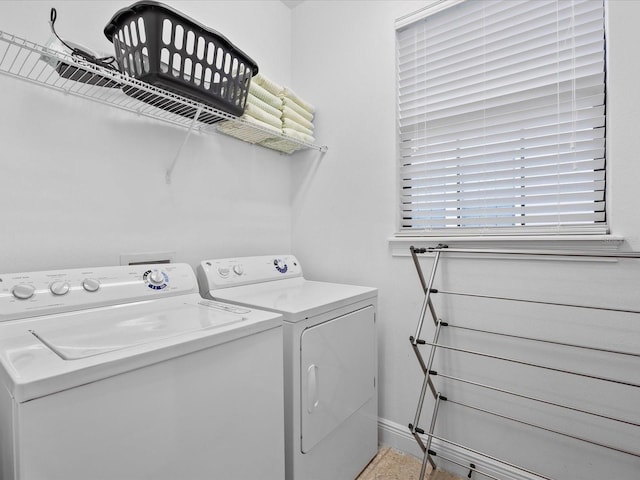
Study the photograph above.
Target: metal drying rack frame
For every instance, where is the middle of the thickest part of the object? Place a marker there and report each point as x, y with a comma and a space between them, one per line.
429, 372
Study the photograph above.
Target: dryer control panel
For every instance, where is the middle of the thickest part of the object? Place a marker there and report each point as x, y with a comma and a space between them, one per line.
232, 272
41, 293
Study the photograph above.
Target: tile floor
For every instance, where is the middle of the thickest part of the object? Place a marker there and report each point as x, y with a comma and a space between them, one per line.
390, 464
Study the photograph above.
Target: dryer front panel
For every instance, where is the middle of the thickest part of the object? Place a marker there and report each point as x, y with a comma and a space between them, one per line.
337, 373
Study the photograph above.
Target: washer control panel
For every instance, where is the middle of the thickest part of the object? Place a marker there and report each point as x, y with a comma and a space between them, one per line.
231, 272
39, 293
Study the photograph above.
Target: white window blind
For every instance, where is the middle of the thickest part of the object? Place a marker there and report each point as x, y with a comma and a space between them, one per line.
502, 118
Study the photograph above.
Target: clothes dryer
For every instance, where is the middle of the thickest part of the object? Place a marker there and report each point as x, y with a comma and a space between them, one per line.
330, 360
127, 373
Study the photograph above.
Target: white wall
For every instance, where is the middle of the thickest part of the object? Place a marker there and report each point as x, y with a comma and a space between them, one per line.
82, 183
343, 216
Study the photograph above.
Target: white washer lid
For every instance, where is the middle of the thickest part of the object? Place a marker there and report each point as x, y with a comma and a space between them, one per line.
295, 298
82, 336
88, 345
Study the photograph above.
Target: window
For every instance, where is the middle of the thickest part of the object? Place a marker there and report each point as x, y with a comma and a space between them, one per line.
501, 108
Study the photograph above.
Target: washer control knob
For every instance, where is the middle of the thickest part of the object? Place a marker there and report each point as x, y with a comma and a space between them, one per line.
238, 269
59, 287
91, 284
223, 271
156, 277
23, 291
280, 265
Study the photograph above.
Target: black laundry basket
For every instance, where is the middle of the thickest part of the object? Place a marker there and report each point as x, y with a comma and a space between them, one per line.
158, 45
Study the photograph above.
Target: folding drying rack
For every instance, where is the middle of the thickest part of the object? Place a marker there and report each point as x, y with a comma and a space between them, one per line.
425, 437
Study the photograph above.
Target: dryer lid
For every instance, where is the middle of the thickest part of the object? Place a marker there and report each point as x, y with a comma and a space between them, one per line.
295, 298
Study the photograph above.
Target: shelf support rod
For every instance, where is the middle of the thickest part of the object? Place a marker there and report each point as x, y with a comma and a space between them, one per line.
184, 142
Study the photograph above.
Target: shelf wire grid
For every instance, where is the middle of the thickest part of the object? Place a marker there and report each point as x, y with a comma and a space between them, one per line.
27, 61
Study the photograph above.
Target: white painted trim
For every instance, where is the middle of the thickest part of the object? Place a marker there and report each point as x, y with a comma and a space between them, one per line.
391, 434
399, 245
432, 7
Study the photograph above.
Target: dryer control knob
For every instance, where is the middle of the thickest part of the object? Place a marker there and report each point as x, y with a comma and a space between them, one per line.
223, 271
59, 287
23, 291
91, 284
156, 277
238, 269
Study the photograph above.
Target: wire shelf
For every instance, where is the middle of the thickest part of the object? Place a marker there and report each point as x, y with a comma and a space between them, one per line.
24, 60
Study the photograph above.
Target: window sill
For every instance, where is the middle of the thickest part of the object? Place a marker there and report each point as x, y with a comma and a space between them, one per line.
399, 245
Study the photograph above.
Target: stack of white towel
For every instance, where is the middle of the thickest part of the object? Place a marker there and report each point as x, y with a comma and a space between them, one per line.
262, 109
275, 109
297, 116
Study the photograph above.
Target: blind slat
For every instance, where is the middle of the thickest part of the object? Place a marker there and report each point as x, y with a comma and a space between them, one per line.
565, 219
513, 125
463, 44
454, 140
489, 74
437, 187
495, 91
531, 201
426, 194
546, 155
519, 145
508, 102
470, 214
516, 176
522, 48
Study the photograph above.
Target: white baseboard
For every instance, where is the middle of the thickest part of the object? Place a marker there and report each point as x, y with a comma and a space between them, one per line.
398, 436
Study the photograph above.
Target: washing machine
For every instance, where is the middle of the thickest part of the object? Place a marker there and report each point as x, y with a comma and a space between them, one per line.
330, 360
127, 373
